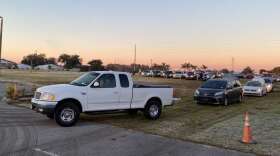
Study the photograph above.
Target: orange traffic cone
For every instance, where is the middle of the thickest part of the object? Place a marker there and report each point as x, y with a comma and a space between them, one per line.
247, 132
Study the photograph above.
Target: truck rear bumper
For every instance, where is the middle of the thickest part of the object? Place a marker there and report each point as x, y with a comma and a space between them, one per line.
44, 107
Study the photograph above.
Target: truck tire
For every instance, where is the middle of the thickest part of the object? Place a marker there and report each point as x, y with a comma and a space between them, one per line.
153, 109
67, 115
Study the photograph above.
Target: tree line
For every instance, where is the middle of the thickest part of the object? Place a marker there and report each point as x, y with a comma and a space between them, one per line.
75, 61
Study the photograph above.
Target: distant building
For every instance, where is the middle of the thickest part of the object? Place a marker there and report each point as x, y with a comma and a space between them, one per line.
6, 64
24, 66
49, 67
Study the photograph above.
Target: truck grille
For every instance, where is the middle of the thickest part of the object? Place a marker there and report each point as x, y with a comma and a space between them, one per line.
37, 95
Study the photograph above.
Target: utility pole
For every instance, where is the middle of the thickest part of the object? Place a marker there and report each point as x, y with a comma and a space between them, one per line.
134, 62
232, 64
1, 32
151, 64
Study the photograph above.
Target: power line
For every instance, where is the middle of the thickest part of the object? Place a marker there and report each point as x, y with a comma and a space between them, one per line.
232, 64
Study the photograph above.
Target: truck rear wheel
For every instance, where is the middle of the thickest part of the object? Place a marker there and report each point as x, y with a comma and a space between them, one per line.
153, 109
67, 115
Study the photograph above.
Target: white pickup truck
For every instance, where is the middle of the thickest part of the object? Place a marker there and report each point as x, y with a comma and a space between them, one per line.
100, 91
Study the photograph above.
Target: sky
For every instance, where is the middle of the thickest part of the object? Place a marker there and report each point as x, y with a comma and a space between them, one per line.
209, 32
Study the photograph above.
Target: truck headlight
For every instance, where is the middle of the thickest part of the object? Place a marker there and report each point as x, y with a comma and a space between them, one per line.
219, 93
47, 96
196, 93
259, 90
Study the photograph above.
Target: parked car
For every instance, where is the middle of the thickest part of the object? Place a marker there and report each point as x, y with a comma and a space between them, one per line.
208, 76
268, 84
167, 74
220, 91
156, 73
249, 76
178, 75
255, 88
277, 79
100, 91
190, 76
146, 73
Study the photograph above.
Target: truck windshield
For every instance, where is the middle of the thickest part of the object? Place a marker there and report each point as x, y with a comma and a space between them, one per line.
85, 79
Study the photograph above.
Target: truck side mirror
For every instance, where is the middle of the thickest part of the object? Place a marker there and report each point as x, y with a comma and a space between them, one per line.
96, 84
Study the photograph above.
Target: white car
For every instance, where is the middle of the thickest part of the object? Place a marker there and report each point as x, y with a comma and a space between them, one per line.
100, 91
268, 84
147, 73
255, 88
178, 75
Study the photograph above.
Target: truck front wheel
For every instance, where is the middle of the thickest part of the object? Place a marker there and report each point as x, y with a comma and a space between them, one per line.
153, 109
67, 115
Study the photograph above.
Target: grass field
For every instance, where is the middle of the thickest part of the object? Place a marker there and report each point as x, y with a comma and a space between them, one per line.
207, 124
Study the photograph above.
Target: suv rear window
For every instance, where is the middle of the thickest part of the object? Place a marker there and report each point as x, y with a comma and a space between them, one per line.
124, 81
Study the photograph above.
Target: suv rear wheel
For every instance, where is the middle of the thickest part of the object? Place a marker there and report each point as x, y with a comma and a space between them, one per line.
67, 115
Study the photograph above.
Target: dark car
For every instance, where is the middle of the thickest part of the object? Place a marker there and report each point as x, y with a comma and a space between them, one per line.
190, 76
208, 76
167, 74
156, 73
219, 92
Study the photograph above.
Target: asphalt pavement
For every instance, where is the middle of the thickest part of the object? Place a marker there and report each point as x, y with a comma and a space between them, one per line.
26, 133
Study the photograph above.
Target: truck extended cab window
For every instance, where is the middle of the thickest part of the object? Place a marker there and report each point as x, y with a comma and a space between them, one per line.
124, 81
107, 81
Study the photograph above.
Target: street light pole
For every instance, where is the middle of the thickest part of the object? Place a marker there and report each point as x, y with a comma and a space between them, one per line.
1, 32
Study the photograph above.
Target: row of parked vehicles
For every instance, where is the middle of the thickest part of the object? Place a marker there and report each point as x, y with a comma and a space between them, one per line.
189, 75
230, 90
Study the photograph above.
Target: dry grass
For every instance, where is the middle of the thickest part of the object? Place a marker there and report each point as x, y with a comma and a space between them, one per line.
208, 124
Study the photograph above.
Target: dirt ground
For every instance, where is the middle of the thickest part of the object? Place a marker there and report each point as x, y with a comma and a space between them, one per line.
208, 124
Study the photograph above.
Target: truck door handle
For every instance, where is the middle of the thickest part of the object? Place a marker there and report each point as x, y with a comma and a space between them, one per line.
116, 92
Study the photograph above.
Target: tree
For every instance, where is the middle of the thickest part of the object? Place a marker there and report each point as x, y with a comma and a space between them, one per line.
247, 70
34, 59
186, 65
262, 71
51, 60
119, 67
162, 66
203, 67
193, 67
276, 70
139, 67
70, 61
96, 65
225, 71
63, 58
